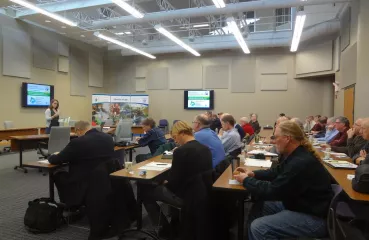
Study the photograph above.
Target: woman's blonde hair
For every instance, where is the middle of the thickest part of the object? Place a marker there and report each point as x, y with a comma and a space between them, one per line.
182, 127
290, 128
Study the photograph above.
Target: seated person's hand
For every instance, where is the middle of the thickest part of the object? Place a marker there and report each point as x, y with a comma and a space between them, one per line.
363, 153
138, 138
358, 160
240, 177
240, 170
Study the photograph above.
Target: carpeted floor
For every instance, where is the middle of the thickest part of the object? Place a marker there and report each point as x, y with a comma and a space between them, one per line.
17, 188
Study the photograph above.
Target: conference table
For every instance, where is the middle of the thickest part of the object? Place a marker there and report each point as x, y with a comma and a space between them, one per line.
151, 176
50, 168
5, 134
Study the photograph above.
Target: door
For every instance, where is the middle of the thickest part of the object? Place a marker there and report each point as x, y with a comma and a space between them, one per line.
349, 103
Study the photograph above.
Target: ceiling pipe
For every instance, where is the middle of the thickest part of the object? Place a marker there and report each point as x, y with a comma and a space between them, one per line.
325, 31
212, 10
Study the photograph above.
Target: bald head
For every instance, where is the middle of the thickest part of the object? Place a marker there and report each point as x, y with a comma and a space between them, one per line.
201, 121
81, 127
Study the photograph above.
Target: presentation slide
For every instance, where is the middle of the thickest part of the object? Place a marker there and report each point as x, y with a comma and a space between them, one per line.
38, 95
198, 99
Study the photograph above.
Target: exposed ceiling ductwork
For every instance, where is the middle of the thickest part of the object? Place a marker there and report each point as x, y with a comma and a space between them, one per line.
212, 10
324, 31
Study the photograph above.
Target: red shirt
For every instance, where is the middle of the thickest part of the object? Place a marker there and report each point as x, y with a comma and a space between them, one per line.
318, 127
247, 128
340, 140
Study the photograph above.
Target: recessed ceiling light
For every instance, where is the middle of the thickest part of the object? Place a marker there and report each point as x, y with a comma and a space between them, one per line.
63, 27
127, 32
119, 33
48, 21
82, 36
200, 25
62, 33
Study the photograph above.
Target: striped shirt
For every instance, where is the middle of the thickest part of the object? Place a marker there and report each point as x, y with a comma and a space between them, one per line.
231, 140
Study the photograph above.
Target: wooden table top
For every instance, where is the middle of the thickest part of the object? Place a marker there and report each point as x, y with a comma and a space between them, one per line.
222, 183
340, 176
19, 129
150, 175
35, 137
40, 165
116, 148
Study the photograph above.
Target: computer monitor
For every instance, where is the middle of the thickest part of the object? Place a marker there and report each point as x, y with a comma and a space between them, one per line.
123, 132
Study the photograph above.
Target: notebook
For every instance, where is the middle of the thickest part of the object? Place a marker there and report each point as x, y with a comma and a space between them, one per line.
340, 164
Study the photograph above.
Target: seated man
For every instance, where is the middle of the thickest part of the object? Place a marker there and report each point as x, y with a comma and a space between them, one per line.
153, 138
230, 139
86, 155
355, 142
83, 154
363, 157
320, 125
246, 126
330, 132
342, 124
309, 123
207, 137
295, 195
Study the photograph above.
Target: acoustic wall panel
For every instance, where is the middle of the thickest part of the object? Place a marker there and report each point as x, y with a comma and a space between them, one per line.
157, 78
315, 58
63, 49
96, 70
63, 64
140, 85
44, 53
141, 71
345, 29
17, 53
216, 76
78, 72
244, 80
271, 64
348, 67
185, 74
277, 82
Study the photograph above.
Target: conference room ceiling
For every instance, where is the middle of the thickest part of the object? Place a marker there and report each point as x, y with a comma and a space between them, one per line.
88, 12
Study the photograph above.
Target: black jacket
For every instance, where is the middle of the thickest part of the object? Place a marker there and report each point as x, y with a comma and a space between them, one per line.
85, 153
189, 160
256, 126
300, 182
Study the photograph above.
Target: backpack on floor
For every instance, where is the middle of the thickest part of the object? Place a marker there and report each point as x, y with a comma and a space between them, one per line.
43, 216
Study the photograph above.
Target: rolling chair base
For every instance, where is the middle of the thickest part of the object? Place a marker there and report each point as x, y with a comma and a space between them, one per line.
21, 168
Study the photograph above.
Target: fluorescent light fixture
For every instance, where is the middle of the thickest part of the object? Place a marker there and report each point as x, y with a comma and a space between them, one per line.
200, 25
48, 21
119, 33
299, 26
163, 31
128, 33
219, 3
128, 8
42, 11
99, 35
82, 36
237, 34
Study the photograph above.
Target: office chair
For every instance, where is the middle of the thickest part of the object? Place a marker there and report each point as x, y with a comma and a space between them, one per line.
8, 125
163, 124
58, 140
123, 132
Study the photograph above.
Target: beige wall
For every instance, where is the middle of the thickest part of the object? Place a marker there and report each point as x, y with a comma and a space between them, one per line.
362, 85
302, 98
10, 87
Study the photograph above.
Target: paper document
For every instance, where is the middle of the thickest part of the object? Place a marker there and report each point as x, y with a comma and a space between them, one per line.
258, 163
156, 166
234, 182
350, 176
340, 164
44, 161
338, 154
263, 152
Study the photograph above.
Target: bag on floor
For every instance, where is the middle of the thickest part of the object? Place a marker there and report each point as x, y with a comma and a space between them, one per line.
43, 216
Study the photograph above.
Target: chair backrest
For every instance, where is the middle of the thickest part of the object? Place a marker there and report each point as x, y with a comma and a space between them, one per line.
123, 132
163, 122
8, 124
58, 139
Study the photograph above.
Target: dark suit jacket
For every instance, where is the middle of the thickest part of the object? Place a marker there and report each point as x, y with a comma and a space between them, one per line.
84, 154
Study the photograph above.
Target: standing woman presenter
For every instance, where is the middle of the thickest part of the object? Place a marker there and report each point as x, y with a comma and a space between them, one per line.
52, 115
